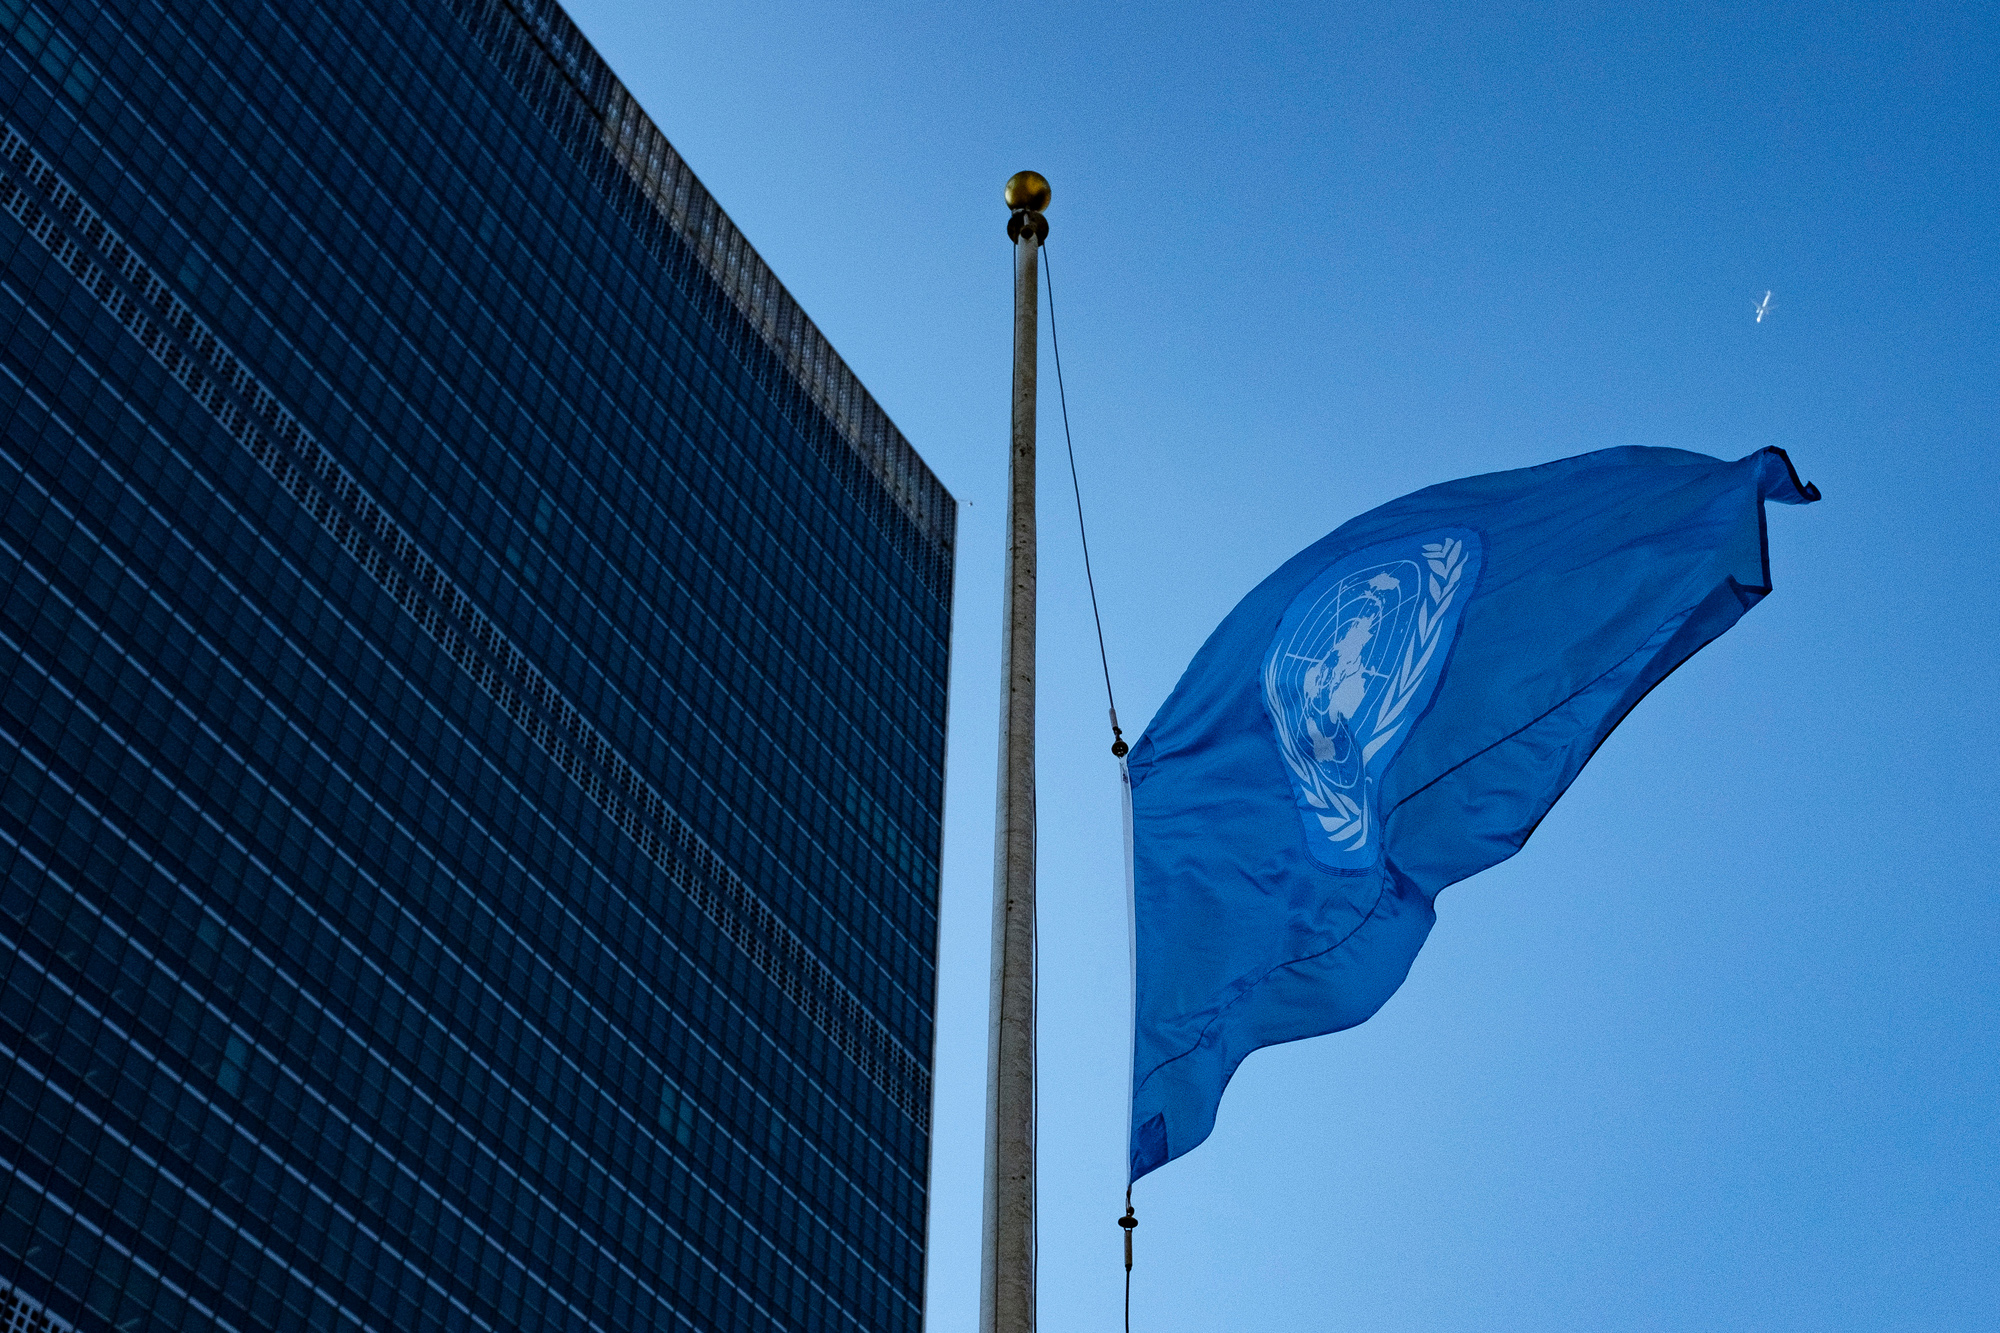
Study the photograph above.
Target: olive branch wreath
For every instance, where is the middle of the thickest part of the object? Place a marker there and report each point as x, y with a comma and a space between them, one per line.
1348, 821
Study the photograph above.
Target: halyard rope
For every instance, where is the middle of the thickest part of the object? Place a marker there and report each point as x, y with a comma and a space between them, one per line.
1118, 746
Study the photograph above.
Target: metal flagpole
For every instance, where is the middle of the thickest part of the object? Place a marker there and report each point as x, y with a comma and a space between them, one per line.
1007, 1258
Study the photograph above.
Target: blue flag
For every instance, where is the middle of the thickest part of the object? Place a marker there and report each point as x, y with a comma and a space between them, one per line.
1393, 710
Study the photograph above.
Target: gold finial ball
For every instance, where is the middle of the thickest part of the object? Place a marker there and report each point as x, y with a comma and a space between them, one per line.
1029, 190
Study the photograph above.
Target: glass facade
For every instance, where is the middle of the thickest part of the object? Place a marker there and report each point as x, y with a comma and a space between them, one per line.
472, 679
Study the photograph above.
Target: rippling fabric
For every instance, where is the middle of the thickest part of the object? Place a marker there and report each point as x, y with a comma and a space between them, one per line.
1393, 710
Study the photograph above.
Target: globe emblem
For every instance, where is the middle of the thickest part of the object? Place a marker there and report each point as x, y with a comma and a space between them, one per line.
1356, 654
1336, 672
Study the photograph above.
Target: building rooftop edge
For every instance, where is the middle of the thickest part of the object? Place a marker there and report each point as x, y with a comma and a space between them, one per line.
664, 178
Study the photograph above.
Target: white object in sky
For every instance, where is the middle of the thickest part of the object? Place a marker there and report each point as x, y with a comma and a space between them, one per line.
1764, 307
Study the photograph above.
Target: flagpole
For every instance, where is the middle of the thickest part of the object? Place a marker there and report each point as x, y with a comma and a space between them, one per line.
1007, 1258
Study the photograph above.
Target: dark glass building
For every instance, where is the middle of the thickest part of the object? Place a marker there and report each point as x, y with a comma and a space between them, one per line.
472, 703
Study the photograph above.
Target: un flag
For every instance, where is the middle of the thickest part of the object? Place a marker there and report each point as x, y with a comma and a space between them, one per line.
1394, 710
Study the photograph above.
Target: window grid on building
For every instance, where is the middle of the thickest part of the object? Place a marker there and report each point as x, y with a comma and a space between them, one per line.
472, 679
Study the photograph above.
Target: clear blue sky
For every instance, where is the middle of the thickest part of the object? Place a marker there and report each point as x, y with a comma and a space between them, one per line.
1721, 1048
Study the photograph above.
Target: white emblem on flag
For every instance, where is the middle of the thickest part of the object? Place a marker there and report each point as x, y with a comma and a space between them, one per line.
1351, 668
